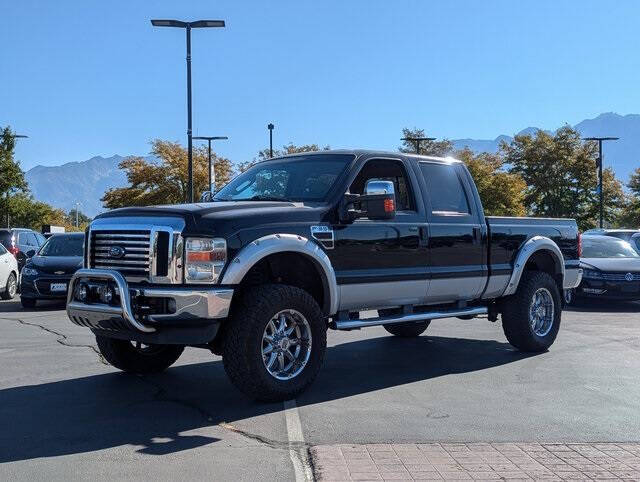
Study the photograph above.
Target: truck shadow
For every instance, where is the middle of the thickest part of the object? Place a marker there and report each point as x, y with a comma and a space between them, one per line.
153, 413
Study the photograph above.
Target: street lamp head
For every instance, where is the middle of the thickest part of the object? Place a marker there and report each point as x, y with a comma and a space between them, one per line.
19, 136
270, 127
211, 138
418, 139
207, 23
168, 23
600, 138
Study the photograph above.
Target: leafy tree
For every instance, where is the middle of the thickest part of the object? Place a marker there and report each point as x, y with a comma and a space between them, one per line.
83, 219
560, 172
165, 181
630, 215
427, 148
502, 193
12, 178
25, 212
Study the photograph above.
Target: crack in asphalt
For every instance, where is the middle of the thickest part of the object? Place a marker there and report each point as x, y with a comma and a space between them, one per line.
62, 338
162, 395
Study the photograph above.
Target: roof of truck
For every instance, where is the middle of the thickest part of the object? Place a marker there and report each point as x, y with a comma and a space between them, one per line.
371, 152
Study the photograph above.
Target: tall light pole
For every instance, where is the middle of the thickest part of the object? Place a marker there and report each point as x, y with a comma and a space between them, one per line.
15, 136
418, 140
188, 26
270, 126
600, 162
78, 204
212, 172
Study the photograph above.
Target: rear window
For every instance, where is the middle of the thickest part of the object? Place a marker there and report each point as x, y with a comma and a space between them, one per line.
5, 238
445, 189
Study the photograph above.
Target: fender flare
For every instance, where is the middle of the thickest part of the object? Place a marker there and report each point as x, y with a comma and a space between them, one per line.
530, 247
281, 243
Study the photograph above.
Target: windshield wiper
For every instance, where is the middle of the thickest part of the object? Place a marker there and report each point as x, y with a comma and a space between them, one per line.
263, 197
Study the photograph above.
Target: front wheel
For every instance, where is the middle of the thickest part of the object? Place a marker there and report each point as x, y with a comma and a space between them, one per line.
275, 343
531, 317
136, 357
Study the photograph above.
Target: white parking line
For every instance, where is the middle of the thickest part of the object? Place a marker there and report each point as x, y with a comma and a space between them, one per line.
297, 449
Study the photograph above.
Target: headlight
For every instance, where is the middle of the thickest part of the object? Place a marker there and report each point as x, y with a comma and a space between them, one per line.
204, 259
591, 274
29, 271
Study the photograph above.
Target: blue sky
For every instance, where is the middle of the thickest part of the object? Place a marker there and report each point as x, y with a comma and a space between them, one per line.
95, 78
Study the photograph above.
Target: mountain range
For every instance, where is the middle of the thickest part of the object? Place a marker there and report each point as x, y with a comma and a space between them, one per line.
86, 181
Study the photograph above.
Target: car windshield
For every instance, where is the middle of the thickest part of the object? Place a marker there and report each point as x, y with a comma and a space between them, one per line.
63, 246
606, 247
299, 178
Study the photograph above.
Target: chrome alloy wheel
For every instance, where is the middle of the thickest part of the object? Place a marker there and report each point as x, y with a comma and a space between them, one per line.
541, 312
286, 344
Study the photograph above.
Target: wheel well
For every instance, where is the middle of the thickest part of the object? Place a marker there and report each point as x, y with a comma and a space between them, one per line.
545, 261
294, 269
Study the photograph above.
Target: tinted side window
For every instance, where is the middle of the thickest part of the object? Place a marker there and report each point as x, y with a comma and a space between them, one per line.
3, 250
386, 170
5, 238
41, 239
445, 189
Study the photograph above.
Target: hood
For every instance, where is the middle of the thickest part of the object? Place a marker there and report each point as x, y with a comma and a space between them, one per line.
222, 218
623, 265
53, 264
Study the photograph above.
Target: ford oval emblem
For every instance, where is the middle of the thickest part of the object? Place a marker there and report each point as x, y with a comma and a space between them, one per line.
628, 277
116, 252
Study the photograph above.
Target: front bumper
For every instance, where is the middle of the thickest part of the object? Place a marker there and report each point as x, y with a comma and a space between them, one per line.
620, 290
194, 316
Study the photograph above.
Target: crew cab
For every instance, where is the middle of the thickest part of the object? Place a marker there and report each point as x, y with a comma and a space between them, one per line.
304, 243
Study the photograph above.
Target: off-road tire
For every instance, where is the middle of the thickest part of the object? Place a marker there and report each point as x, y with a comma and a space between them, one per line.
242, 346
403, 330
515, 313
6, 293
123, 355
28, 302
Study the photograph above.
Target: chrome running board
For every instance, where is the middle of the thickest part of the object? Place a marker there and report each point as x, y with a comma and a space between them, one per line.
408, 318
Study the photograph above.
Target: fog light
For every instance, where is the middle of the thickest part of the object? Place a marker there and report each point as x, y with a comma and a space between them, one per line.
108, 295
593, 291
81, 292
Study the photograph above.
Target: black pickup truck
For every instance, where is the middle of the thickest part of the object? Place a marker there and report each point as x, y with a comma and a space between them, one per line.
303, 243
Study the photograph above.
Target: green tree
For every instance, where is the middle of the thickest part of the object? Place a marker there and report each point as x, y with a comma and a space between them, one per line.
630, 215
560, 172
502, 193
164, 181
427, 148
11, 176
83, 219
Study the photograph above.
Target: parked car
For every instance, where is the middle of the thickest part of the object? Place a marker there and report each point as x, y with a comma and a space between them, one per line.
299, 244
46, 275
22, 243
611, 270
625, 234
8, 274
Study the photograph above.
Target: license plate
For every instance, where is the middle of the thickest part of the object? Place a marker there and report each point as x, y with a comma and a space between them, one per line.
57, 287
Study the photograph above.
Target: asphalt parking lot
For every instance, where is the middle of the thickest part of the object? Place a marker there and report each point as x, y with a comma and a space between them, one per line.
64, 414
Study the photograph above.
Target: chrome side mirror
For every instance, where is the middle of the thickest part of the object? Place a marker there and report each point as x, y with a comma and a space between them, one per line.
206, 197
378, 186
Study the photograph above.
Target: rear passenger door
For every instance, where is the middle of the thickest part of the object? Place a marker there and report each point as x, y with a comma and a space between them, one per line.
457, 259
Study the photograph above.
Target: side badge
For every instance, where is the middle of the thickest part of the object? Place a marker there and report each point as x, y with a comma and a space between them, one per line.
324, 235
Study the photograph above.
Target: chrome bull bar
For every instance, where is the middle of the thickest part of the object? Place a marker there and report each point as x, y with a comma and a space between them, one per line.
125, 310
190, 304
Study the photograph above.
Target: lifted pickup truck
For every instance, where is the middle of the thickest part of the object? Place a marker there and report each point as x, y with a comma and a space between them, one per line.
303, 243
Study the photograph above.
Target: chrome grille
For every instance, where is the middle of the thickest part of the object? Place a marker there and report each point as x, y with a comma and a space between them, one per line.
136, 245
620, 276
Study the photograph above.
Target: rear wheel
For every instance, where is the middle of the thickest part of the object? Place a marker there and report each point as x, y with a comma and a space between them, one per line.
403, 330
531, 317
275, 343
11, 288
136, 357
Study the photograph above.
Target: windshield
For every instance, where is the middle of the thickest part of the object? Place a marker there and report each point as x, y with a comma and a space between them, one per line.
299, 178
63, 246
606, 247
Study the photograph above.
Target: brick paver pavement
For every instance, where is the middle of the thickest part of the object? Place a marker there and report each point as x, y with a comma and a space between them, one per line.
478, 461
